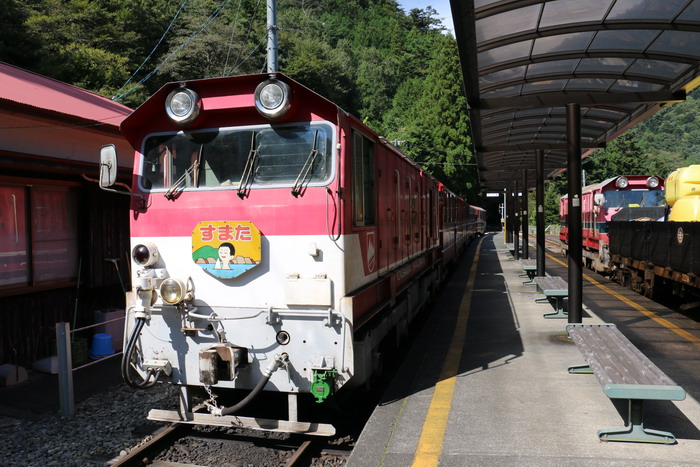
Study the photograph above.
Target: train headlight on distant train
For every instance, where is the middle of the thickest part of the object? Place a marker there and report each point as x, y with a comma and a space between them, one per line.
622, 182
145, 254
183, 105
273, 98
652, 182
172, 291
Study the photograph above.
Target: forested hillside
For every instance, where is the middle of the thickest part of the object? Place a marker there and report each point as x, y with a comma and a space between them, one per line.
397, 70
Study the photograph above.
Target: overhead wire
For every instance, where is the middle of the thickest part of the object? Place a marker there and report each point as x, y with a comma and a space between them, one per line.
182, 6
237, 63
208, 21
230, 40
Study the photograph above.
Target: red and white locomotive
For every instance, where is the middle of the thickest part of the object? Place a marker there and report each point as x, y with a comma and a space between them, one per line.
638, 194
276, 242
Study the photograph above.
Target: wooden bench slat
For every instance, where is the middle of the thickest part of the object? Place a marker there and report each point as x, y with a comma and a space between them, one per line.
552, 285
616, 362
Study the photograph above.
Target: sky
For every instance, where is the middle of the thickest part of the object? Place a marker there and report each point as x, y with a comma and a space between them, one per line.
442, 7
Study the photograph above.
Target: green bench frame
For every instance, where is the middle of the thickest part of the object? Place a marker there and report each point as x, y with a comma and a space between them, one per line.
553, 288
624, 372
529, 266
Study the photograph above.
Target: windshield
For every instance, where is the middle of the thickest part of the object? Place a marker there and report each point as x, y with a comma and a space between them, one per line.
217, 158
634, 198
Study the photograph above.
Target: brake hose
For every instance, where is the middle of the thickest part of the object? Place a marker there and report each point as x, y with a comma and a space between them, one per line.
279, 361
126, 360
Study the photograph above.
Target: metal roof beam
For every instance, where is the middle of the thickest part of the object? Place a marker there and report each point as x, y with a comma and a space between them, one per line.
586, 27
533, 146
582, 98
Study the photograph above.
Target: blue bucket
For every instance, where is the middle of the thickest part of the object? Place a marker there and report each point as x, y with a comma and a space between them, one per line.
101, 346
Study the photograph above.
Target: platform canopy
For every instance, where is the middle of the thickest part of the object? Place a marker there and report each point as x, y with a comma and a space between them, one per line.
523, 61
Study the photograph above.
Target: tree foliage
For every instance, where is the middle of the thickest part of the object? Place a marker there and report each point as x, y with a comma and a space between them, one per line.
396, 70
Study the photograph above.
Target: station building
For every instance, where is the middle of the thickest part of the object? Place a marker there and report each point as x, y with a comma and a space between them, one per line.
63, 241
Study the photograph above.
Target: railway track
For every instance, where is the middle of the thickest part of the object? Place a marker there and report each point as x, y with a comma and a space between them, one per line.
187, 445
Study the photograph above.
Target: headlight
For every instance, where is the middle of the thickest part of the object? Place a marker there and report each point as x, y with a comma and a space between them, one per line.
622, 182
172, 291
183, 106
273, 98
652, 182
145, 254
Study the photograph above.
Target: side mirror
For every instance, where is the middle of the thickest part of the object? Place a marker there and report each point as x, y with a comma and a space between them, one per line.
108, 166
599, 199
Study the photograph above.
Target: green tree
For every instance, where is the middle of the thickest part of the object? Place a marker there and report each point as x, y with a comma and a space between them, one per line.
435, 129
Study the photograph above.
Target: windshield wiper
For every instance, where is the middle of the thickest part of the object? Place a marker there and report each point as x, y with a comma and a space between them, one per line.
305, 169
248, 170
192, 169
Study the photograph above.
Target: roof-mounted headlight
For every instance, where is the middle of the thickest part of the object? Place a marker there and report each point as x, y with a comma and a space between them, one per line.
145, 254
183, 105
653, 182
273, 98
172, 291
622, 182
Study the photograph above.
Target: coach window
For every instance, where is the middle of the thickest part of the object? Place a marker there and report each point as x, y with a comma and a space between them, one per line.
363, 189
38, 234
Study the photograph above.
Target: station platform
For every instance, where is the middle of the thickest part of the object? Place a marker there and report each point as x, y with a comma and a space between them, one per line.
486, 383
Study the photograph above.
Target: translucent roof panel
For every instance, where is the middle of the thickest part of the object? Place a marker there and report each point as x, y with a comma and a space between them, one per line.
509, 74
690, 14
589, 84
616, 65
544, 86
515, 21
505, 53
678, 43
627, 39
625, 85
658, 68
564, 12
504, 92
641, 10
554, 67
573, 42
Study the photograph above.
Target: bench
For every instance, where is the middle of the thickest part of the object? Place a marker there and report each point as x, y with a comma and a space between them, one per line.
624, 372
554, 288
529, 266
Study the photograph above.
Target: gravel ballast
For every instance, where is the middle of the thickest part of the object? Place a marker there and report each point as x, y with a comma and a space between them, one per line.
105, 425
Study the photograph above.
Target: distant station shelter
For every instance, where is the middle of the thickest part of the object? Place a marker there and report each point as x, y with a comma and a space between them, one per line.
58, 230
550, 82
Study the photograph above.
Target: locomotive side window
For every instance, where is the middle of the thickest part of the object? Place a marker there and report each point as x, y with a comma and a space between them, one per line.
217, 158
363, 180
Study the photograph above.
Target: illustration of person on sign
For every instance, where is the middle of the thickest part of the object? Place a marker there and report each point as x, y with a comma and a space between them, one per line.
226, 252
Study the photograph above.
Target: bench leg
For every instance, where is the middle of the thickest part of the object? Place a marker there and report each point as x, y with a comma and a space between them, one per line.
560, 313
635, 432
582, 369
530, 275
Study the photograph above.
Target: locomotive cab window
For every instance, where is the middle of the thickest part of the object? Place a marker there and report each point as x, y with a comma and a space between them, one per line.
363, 187
634, 198
275, 156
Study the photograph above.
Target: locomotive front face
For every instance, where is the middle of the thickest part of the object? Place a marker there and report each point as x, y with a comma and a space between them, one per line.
237, 268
